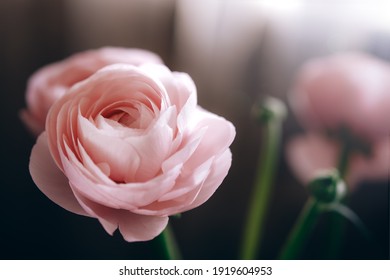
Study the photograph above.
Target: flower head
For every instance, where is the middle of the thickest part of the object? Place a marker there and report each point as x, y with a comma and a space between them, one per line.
346, 92
130, 146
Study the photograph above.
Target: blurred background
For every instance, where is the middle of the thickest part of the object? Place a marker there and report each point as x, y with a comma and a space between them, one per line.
237, 52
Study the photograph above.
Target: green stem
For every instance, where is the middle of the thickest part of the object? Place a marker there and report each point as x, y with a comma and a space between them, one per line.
345, 152
167, 245
338, 225
302, 230
335, 236
254, 227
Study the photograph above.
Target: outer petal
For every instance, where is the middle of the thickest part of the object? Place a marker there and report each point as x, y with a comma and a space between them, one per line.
194, 195
309, 154
217, 138
182, 195
49, 178
218, 172
133, 227
206, 164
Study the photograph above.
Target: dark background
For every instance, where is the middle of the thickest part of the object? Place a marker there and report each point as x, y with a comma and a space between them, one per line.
249, 55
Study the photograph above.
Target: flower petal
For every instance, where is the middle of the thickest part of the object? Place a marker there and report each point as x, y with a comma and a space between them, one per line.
218, 172
119, 154
309, 154
192, 191
49, 178
119, 196
178, 86
217, 138
133, 227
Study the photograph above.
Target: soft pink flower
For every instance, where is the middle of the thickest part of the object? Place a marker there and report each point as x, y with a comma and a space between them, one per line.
348, 89
51, 82
311, 153
130, 146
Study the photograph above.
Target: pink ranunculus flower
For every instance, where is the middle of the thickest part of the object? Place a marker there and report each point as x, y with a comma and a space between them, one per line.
346, 89
51, 82
311, 153
130, 146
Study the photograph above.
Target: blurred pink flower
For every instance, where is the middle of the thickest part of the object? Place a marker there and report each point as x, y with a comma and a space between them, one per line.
348, 89
130, 146
343, 91
311, 153
51, 82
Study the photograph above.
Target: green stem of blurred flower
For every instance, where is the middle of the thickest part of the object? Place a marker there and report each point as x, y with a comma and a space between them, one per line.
337, 223
271, 117
167, 245
326, 190
301, 230
345, 152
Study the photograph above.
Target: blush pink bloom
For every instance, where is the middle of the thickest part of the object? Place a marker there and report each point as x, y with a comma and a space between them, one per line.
309, 154
51, 82
130, 146
348, 89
